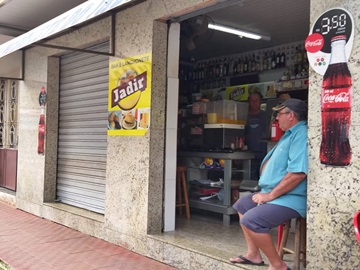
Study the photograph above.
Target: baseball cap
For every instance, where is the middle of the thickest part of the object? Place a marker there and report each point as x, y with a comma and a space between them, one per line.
296, 105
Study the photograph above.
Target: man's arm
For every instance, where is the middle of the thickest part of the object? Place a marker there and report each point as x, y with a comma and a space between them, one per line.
289, 182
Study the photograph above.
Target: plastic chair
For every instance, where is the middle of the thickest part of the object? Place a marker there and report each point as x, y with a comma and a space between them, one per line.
280, 234
357, 225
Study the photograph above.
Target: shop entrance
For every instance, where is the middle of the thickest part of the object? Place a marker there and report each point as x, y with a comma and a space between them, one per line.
219, 66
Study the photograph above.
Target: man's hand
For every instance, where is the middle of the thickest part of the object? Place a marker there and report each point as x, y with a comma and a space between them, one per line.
261, 198
289, 182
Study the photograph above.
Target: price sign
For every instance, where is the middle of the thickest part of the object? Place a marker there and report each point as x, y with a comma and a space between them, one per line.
333, 22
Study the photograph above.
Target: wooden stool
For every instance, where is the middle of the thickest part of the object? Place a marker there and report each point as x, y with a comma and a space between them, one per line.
299, 250
181, 190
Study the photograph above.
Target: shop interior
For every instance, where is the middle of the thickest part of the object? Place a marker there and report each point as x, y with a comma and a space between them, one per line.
217, 71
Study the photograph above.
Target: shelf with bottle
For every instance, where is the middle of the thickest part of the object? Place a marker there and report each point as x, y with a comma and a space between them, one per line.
287, 55
292, 85
294, 79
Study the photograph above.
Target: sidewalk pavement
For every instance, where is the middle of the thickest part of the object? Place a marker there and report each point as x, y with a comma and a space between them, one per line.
28, 242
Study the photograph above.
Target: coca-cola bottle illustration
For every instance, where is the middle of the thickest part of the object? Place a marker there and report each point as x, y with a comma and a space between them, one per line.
336, 107
41, 131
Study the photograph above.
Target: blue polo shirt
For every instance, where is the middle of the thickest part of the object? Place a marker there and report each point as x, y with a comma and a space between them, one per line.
289, 155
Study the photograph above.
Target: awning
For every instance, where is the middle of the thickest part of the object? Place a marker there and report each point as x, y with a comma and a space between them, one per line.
80, 14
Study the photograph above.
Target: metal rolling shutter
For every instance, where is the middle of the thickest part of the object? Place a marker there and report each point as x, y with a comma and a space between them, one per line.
81, 170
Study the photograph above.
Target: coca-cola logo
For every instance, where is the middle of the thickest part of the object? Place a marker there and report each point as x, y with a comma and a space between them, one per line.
339, 98
314, 43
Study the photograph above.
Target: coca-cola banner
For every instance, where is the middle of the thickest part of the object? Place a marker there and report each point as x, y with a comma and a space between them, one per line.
328, 49
331, 23
42, 124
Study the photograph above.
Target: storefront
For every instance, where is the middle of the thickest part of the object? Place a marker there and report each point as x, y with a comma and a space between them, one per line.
131, 196
217, 73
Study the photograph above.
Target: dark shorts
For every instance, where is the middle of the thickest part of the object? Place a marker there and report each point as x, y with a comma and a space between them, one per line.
261, 218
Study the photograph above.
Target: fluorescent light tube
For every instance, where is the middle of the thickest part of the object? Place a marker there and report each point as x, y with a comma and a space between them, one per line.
235, 31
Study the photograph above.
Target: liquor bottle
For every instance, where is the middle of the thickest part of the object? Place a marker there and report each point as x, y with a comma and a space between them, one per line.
273, 60
253, 63
336, 107
226, 67
282, 58
269, 60
265, 61
259, 63
305, 60
246, 64
221, 68
230, 66
235, 66
213, 69
299, 56
241, 65
202, 71
210, 70
277, 59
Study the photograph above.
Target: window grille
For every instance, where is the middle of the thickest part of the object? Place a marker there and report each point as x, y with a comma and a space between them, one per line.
8, 114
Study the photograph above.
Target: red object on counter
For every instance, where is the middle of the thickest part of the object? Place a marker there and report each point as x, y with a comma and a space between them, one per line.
276, 131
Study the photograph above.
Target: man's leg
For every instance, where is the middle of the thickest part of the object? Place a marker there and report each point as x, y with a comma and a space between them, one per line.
253, 253
264, 242
256, 224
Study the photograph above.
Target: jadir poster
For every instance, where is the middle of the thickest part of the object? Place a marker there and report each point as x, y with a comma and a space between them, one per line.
129, 99
237, 93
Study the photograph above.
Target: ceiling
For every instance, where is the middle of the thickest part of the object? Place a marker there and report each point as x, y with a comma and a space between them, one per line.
284, 21
20, 16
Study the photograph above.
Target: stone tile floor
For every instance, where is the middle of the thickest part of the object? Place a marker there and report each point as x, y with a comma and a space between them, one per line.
206, 234
28, 242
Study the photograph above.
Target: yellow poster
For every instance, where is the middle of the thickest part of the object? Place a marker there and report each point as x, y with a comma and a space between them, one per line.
129, 99
241, 92
237, 93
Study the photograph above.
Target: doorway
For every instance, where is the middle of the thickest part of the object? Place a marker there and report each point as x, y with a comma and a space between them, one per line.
200, 50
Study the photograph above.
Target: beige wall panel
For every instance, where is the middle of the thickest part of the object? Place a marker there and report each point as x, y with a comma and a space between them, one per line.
333, 192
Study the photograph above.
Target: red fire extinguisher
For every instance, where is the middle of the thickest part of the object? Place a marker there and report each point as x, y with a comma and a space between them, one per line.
276, 131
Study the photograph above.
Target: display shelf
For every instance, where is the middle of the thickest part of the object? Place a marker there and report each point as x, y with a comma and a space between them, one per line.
292, 85
210, 169
238, 75
235, 163
234, 170
233, 126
